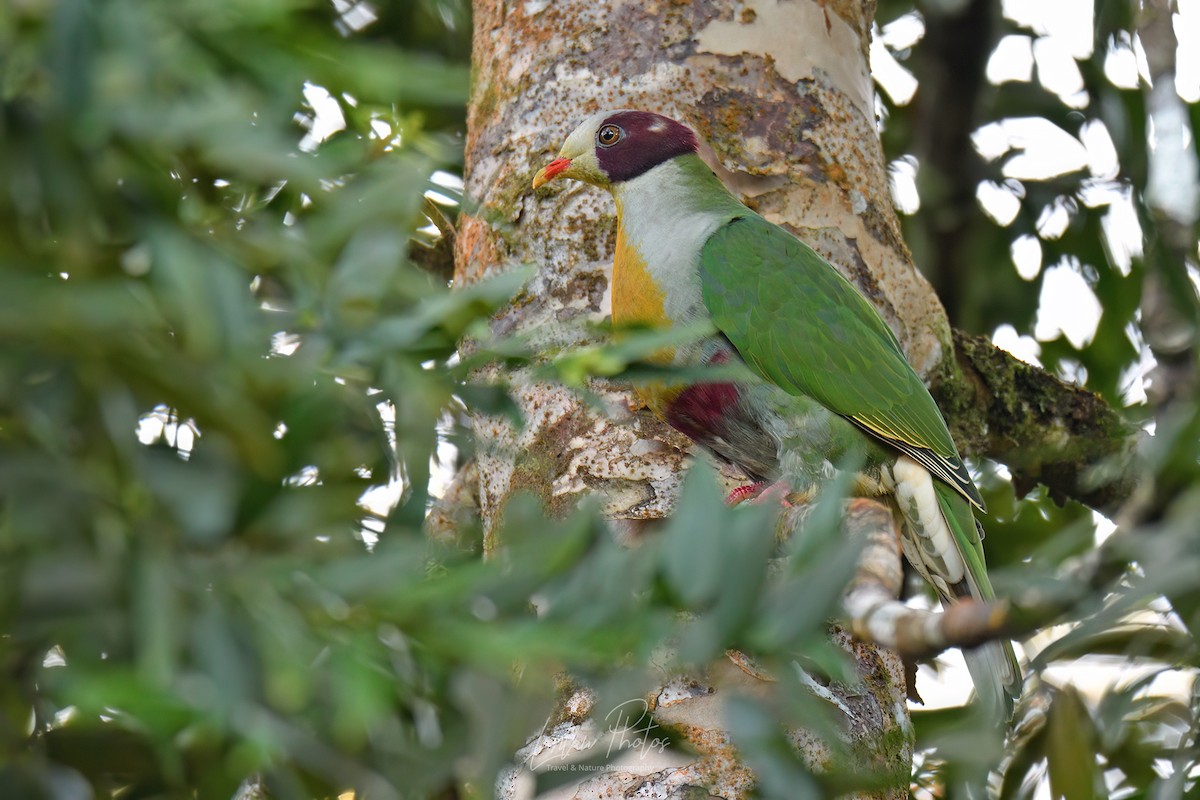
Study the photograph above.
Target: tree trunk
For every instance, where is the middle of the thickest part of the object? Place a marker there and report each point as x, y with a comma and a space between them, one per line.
782, 93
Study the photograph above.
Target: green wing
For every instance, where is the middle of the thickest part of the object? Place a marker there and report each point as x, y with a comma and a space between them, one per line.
804, 327
993, 666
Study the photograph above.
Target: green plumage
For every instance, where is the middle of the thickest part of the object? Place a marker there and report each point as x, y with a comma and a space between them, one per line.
825, 375
805, 328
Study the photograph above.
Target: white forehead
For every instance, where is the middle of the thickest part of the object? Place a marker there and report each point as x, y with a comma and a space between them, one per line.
581, 139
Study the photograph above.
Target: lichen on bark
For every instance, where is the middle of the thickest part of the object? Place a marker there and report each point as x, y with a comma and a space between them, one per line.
1045, 430
792, 131
794, 135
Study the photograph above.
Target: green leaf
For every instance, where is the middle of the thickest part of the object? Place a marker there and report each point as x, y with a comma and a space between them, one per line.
1141, 641
779, 771
1019, 774
692, 563
1070, 748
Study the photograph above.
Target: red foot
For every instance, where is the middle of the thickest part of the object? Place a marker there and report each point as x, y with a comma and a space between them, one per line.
760, 492
744, 493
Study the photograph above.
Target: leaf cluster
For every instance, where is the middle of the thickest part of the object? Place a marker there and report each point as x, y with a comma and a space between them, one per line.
224, 381
1110, 712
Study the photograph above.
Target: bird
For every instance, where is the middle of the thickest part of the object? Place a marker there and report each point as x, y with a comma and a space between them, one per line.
811, 373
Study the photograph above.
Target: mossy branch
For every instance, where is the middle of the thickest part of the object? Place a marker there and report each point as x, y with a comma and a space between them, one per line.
1043, 429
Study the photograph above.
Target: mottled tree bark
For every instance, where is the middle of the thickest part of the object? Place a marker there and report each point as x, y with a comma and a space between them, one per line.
782, 93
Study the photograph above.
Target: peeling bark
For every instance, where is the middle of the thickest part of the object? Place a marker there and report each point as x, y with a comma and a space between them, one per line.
781, 92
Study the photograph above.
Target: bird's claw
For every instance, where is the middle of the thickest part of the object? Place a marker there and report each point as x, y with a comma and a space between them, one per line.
761, 492
744, 493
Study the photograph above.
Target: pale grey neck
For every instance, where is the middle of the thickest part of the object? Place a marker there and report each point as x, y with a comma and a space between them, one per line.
667, 215
682, 187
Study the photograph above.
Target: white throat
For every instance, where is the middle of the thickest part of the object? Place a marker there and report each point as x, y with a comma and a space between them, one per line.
667, 223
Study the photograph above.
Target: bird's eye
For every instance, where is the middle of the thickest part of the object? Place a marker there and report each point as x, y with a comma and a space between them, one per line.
609, 135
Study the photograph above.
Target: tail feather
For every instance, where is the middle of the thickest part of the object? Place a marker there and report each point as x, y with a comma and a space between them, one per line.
996, 675
994, 668
943, 542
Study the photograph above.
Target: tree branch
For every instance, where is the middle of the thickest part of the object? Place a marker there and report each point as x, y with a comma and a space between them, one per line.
1043, 429
874, 614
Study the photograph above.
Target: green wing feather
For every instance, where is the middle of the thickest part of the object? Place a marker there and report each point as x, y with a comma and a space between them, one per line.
798, 322
804, 327
993, 665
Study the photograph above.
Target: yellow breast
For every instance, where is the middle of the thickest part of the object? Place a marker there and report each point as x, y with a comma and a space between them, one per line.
637, 299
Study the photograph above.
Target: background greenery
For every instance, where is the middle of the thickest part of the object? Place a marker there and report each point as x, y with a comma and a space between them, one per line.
224, 333
1104, 725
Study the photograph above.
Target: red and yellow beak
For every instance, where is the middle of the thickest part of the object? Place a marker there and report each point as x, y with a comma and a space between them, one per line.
550, 171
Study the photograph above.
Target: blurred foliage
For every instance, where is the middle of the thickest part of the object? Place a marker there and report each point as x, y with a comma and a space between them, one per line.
1057, 212
223, 386
230, 359
1113, 710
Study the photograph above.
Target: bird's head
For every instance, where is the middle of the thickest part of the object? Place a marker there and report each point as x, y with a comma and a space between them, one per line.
614, 146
